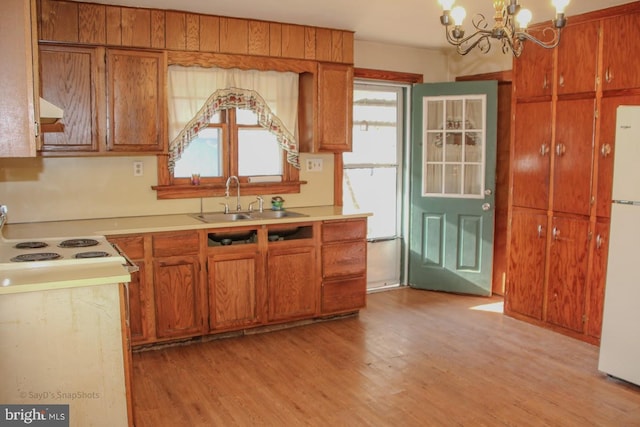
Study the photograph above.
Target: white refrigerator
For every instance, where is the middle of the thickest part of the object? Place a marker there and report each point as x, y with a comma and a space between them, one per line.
620, 340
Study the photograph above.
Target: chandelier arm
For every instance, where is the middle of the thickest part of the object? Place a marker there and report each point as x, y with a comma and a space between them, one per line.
522, 35
457, 42
464, 50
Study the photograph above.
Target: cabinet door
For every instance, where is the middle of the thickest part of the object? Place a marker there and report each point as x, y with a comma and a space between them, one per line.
533, 71
568, 272
598, 279
577, 58
573, 156
235, 298
292, 283
335, 107
178, 297
620, 40
605, 149
531, 155
140, 294
136, 100
70, 78
18, 68
525, 273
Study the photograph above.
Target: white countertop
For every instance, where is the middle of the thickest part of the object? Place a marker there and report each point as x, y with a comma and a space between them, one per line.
159, 223
43, 278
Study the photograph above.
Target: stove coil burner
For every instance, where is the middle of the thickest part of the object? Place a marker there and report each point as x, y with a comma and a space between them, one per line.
78, 243
91, 254
31, 245
40, 256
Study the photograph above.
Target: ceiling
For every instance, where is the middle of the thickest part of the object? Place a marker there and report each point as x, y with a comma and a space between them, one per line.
403, 22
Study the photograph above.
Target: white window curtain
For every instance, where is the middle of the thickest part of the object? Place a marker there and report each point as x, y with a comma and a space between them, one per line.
195, 94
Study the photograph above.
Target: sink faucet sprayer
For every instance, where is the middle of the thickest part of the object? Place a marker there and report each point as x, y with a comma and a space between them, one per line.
226, 193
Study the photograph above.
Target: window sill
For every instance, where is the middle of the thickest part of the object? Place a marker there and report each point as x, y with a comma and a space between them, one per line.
218, 190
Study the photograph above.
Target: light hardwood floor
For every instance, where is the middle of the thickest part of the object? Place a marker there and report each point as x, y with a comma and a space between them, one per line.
411, 358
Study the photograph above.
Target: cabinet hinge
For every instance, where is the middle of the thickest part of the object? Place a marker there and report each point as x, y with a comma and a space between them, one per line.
584, 318
595, 112
590, 235
37, 128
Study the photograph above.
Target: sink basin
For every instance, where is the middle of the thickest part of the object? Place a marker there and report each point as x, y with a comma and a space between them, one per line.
211, 217
275, 214
221, 216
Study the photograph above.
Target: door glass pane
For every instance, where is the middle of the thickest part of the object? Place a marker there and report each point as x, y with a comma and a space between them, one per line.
472, 179
454, 146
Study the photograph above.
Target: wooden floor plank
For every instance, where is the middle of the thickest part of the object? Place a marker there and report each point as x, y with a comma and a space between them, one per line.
411, 358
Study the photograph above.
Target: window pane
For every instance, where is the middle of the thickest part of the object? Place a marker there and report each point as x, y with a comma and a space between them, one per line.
357, 184
452, 179
259, 153
202, 155
246, 117
375, 128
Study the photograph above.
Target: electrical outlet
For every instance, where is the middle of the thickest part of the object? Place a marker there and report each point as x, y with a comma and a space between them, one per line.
314, 165
138, 169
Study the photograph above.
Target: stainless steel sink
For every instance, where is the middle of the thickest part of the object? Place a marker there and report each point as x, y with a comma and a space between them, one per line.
210, 217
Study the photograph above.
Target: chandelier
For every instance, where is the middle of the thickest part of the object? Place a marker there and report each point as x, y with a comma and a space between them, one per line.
509, 28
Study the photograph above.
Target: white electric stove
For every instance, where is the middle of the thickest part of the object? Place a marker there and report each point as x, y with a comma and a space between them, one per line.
53, 252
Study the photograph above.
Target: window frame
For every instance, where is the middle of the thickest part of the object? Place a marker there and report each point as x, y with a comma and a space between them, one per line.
168, 188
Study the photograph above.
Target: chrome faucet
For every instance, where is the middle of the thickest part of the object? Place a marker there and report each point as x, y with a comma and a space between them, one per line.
260, 201
226, 193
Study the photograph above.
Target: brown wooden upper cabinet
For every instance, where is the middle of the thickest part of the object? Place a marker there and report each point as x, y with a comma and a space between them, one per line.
577, 58
129, 91
620, 41
532, 151
18, 104
533, 71
136, 100
70, 79
326, 109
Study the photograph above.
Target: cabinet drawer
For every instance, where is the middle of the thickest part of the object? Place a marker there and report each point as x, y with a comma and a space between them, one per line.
344, 295
344, 259
171, 244
132, 246
344, 230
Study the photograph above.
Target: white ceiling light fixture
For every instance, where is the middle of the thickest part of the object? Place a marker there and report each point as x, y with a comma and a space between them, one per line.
510, 27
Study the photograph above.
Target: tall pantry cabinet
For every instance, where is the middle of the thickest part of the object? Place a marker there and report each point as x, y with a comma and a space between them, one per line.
564, 103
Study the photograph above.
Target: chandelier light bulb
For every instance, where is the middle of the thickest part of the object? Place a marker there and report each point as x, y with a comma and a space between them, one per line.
560, 5
524, 18
446, 4
458, 14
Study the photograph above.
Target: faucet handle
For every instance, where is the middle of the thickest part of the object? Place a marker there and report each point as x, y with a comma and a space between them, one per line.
226, 207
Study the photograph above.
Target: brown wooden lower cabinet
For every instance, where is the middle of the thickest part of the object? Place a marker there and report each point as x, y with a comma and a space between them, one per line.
178, 297
292, 283
568, 264
525, 279
190, 283
556, 273
235, 295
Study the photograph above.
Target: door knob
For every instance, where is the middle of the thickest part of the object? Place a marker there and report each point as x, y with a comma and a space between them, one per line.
486, 206
488, 192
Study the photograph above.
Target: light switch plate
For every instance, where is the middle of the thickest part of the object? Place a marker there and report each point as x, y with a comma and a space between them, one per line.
314, 165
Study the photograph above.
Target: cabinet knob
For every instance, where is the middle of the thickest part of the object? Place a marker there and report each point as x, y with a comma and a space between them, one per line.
545, 82
555, 233
540, 231
561, 81
608, 75
599, 241
544, 149
560, 149
605, 150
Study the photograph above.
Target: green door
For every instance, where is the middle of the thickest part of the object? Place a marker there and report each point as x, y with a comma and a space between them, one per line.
453, 159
